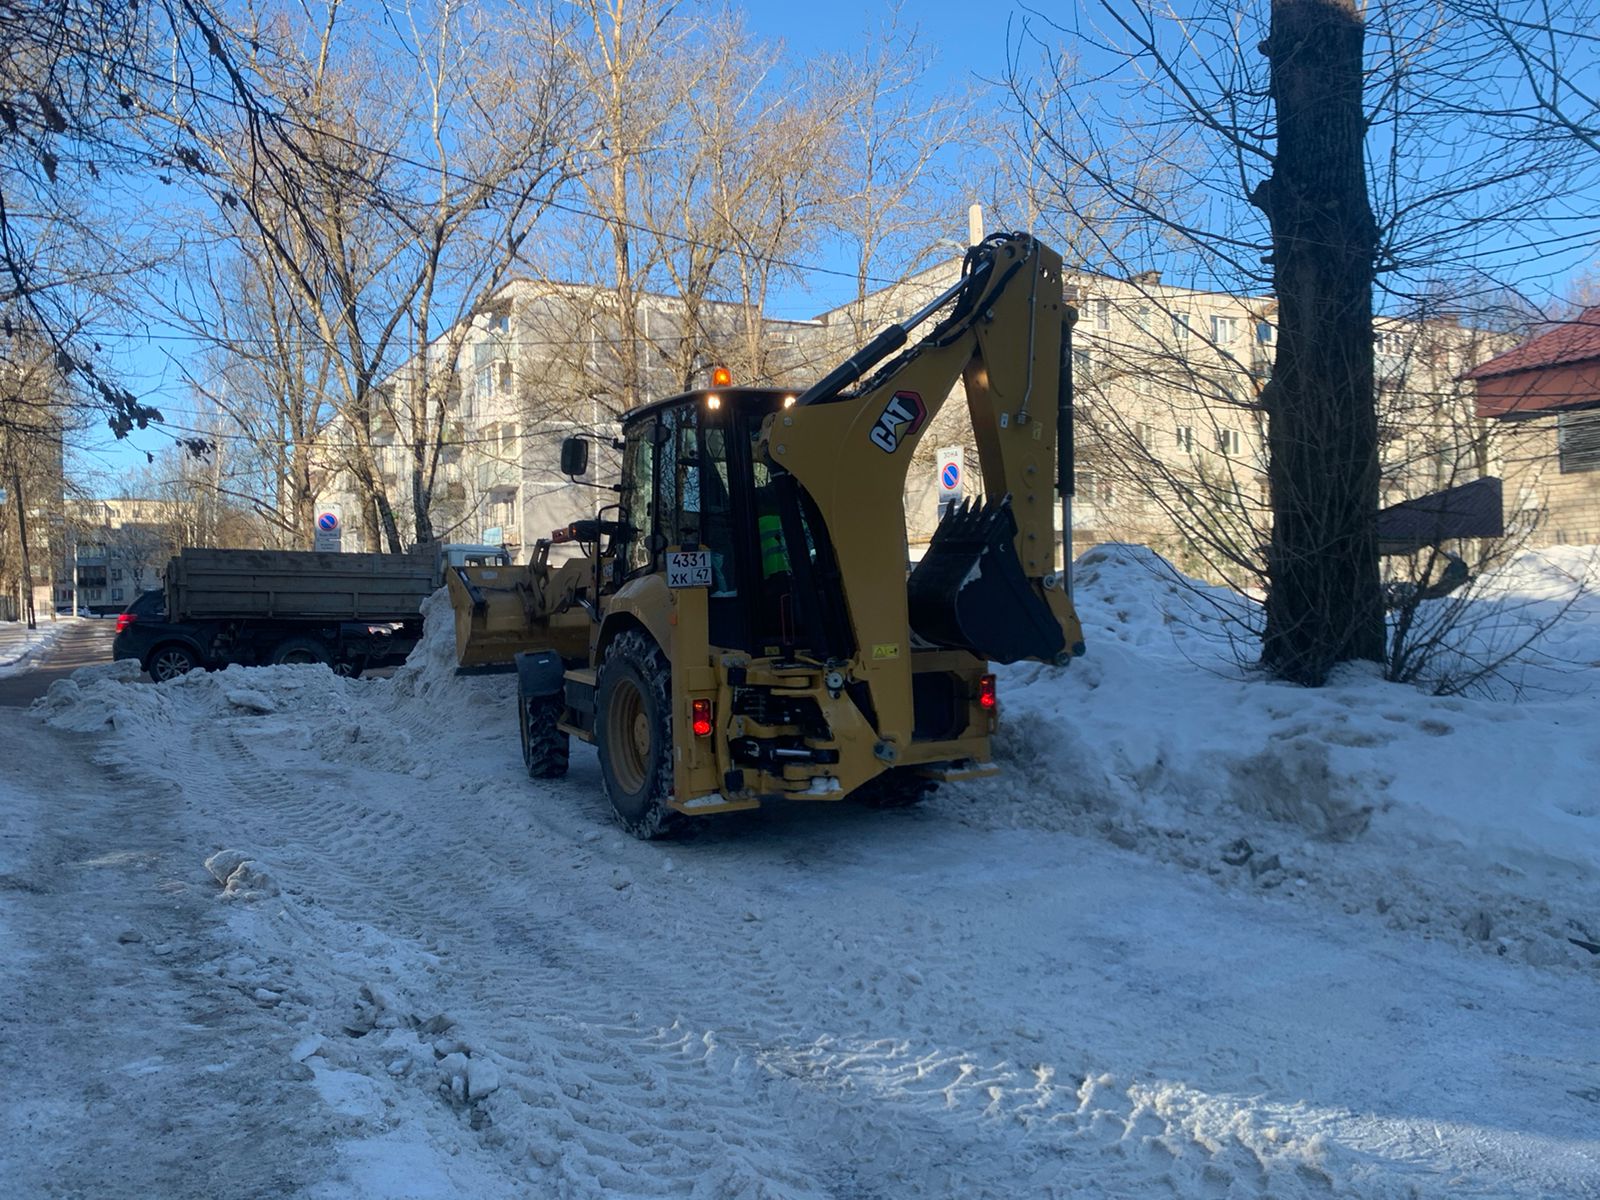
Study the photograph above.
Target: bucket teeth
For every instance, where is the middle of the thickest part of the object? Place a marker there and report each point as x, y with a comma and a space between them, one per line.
969, 592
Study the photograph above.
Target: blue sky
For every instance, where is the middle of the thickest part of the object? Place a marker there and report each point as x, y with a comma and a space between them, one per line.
966, 40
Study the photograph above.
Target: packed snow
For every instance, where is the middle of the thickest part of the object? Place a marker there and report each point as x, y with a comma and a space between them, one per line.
21, 647
1206, 935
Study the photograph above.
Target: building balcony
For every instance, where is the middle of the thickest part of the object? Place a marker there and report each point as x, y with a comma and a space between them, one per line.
498, 476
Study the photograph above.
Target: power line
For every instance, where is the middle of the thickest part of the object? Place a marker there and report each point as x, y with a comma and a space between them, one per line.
351, 143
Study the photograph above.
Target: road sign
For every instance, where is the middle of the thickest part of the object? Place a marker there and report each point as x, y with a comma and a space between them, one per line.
951, 486
329, 531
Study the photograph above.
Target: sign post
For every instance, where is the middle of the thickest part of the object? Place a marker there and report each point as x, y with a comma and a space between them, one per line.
330, 530
952, 478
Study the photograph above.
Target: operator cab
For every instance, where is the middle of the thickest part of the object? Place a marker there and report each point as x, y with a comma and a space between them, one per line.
691, 478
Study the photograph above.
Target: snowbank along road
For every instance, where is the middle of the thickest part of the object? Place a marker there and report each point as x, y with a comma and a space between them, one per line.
277, 933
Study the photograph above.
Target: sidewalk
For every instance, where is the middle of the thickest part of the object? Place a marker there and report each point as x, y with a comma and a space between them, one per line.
19, 645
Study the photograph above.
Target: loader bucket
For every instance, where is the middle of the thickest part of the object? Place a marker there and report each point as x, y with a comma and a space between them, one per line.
969, 591
491, 615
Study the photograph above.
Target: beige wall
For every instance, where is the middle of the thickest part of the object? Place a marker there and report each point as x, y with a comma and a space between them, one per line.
1557, 509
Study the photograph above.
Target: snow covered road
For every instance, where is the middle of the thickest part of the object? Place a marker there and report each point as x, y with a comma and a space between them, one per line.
442, 980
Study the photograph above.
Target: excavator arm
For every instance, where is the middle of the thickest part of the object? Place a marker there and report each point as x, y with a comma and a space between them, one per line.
988, 584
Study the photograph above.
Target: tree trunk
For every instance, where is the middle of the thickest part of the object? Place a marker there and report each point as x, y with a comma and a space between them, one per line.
22, 540
1323, 605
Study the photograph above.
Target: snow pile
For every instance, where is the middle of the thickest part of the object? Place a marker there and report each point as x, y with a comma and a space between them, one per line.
1465, 811
398, 724
1528, 629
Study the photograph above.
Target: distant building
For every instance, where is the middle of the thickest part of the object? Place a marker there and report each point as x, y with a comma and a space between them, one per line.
1171, 434
539, 363
1545, 394
117, 548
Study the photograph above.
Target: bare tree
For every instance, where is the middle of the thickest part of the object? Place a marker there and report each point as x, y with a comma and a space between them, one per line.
1282, 119
413, 194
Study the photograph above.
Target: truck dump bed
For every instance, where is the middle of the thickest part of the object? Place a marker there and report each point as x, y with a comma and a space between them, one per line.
290, 584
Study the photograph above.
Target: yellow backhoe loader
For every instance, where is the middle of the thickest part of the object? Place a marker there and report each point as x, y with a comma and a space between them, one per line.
742, 626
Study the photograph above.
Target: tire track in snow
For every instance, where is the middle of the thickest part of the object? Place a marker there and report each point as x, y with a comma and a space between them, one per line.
672, 1102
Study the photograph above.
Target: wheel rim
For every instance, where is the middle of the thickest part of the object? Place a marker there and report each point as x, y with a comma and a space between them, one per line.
628, 735
170, 665
298, 657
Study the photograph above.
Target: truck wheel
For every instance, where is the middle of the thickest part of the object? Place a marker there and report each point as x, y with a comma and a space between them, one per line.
899, 787
544, 747
633, 732
300, 650
169, 662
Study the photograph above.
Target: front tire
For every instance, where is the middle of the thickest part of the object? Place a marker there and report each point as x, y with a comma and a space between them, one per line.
544, 746
633, 732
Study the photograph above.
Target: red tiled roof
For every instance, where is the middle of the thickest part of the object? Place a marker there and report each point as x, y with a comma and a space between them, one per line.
1572, 341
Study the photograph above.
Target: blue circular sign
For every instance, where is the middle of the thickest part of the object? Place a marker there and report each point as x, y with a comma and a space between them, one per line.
950, 476
327, 522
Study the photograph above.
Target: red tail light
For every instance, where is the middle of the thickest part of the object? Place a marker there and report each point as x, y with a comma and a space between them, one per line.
700, 717
124, 620
986, 692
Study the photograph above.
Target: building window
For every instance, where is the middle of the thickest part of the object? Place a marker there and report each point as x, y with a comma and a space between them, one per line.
1228, 441
116, 595
1145, 435
1265, 333
1578, 441
1091, 486
1141, 317
1224, 330
1082, 366
1102, 314
1185, 438
1180, 326
116, 574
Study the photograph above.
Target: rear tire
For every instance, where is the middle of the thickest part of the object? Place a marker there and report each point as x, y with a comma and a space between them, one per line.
170, 662
300, 650
544, 746
898, 787
633, 732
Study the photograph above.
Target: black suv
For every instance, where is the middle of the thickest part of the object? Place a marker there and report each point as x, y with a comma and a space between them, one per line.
164, 649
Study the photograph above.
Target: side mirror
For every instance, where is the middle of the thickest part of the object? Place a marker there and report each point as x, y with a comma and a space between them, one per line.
574, 456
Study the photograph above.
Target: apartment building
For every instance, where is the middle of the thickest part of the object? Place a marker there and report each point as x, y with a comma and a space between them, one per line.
1171, 436
541, 362
118, 547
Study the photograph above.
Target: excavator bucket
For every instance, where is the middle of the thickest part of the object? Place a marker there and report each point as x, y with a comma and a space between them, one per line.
969, 591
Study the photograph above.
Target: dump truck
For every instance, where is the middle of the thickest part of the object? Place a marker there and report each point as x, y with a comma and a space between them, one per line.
259, 607
742, 627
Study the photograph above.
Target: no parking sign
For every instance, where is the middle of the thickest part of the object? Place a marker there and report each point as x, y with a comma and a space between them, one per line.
951, 474
330, 530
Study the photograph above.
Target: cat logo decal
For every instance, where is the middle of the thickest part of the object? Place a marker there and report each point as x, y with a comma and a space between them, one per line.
901, 418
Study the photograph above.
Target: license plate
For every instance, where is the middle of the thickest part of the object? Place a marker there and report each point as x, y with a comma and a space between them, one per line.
688, 568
